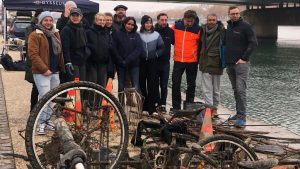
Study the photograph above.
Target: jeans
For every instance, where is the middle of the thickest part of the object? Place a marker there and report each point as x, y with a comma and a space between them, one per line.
211, 88
134, 77
238, 75
163, 75
191, 70
44, 84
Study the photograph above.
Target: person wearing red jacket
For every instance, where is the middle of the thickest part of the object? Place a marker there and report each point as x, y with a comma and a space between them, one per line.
187, 34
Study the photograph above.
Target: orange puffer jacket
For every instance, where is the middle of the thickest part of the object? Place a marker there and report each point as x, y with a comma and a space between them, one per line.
186, 42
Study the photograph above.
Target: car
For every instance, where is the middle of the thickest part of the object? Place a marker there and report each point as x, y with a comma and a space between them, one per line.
18, 28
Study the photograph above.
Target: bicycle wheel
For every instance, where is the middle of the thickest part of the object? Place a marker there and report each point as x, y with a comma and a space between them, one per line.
225, 150
95, 119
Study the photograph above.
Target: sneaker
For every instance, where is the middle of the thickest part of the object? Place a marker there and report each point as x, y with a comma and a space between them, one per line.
162, 109
41, 129
50, 125
233, 118
240, 123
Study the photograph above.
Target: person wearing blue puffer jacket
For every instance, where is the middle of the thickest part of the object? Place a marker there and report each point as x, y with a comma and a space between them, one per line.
153, 48
127, 49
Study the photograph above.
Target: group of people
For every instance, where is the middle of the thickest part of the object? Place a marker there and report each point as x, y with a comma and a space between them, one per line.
113, 43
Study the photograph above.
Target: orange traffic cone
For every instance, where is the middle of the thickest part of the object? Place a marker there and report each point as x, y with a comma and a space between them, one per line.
109, 87
78, 119
207, 129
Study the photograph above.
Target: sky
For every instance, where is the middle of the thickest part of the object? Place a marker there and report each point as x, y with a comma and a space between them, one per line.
108, 6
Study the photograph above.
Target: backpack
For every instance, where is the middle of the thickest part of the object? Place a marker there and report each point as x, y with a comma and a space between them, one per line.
6, 61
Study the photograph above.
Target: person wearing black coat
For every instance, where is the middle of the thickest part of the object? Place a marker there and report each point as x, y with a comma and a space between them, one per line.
99, 42
167, 35
240, 41
75, 50
128, 48
65, 16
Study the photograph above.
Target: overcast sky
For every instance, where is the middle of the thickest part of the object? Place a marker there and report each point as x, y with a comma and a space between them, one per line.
108, 6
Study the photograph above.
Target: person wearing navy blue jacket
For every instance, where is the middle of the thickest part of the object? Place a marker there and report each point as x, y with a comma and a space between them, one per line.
127, 50
240, 41
167, 35
153, 48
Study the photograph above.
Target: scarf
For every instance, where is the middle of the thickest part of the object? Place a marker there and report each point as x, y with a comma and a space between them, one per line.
80, 37
210, 31
56, 43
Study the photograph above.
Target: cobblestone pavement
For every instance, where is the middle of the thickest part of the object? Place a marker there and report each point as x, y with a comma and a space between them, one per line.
5, 137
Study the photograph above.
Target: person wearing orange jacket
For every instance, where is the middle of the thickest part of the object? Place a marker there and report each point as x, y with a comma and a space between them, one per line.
187, 34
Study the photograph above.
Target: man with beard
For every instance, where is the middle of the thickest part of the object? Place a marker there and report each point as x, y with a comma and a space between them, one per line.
210, 60
119, 16
167, 34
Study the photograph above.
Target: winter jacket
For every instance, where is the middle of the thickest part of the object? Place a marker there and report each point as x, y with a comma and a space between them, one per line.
153, 45
186, 42
127, 47
38, 52
240, 41
167, 35
76, 56
99, 43
210, 51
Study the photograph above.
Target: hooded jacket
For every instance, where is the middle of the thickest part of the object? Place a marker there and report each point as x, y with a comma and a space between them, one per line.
210, 51
127, 47
186, 42
167, 35
240, 41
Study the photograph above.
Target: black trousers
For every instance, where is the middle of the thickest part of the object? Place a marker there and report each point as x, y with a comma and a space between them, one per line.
163, 75
34, 96
97, 73
190, 70
149, 84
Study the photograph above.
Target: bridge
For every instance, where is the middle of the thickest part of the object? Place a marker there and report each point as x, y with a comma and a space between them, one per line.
264, 15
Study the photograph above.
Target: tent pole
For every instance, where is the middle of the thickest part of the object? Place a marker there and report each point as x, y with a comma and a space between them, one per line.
4, 26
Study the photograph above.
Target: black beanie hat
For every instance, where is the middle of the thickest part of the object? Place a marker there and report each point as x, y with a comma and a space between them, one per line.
145, 18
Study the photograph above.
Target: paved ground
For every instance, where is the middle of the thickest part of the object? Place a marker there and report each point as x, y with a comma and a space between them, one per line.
5, 137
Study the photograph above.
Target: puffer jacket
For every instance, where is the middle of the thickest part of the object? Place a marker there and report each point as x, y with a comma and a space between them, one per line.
153, 45
186, 42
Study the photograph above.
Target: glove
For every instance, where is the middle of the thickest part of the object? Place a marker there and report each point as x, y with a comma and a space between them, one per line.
70, 69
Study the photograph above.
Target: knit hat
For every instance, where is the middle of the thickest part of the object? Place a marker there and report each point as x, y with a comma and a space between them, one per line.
145, 18
43, 15
76, 10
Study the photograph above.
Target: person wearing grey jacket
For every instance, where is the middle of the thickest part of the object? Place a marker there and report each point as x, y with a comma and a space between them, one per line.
153, 48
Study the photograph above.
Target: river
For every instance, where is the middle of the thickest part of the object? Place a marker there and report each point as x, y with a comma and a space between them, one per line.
274, 81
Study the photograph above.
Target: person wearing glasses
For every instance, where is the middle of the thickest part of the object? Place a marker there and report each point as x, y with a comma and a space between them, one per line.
210, 60
240, 41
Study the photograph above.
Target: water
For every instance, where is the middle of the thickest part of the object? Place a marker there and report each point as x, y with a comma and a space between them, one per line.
274, 82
